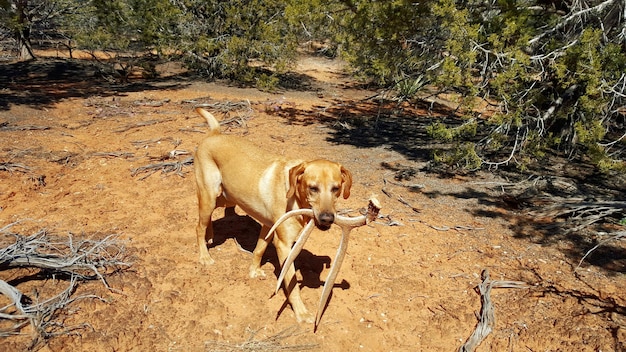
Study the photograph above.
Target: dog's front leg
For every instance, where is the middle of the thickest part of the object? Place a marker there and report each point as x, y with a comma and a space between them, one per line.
292, 291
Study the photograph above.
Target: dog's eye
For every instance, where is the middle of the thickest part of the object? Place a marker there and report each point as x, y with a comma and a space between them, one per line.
334, 189
314, 189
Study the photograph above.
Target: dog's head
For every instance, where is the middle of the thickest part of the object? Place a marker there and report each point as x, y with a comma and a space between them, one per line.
317, 185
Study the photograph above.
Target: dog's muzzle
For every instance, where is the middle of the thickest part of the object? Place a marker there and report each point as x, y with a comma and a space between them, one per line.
324, 220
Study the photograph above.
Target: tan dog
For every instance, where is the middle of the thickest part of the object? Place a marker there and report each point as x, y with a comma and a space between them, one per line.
232, 171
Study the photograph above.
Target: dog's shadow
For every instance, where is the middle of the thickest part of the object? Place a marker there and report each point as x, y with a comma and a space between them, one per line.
245, 231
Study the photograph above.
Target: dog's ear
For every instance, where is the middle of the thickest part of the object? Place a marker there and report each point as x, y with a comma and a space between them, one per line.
346, 178
294, 177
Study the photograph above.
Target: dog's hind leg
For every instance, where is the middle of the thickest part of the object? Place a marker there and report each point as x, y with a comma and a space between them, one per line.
204, 229
209, 189
257, 255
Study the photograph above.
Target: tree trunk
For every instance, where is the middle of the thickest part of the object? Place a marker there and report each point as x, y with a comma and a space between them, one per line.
22, 32
24, 48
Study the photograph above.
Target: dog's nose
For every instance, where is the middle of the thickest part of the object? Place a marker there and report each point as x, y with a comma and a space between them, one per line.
326, 219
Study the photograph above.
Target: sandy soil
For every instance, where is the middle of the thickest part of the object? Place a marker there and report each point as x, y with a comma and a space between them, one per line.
408, 282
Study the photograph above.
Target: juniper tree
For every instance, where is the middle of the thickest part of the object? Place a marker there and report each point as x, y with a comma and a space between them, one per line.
245, 40
552, 72
20, 20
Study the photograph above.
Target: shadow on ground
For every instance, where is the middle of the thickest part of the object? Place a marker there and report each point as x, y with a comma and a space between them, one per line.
245, 231
366, 124
40, 84
363, 124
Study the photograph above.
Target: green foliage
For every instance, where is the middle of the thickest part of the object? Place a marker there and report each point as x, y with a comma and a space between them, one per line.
267, 82
463, 156
249, 41
407, 88
557, 81
589, 132
603, 161
122, 25
552, 75
27, 18
380, 37
314, 20
441, 131
460, 35
242, 40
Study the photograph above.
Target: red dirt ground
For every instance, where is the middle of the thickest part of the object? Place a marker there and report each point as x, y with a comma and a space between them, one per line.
407, 284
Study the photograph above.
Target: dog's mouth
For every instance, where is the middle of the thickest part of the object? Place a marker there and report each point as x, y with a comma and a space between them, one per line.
323, 221
322, 227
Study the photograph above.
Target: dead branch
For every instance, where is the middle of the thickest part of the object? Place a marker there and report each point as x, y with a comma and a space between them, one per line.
390, 194
613, 237
76, 260
573, 16
487, 316
580, 214
192, 130
456, 227
10, 167
178, 152
85, 259
151, 103
244, 111
7, 127
268, 344
125, 155
146, 142
226, 106
140, 124
165, 167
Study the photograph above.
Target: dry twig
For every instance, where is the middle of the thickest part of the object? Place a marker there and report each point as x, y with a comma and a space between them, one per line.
141, 124
7, 127
165, 167
125, 155
146, 142
615, 236
151, 103
226, 106
76, 260
269, 344
581, 214
10, 167
243, 109
487, 316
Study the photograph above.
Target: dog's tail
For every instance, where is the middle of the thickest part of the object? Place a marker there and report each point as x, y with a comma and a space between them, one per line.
214, 125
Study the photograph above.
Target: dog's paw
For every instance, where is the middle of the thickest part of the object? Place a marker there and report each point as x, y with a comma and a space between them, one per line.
206, 260
257, 273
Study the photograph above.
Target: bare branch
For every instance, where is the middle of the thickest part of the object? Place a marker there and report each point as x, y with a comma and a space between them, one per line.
165, 167
271, 343
78, 260
10, 167
615, 236
487, 317
572, 17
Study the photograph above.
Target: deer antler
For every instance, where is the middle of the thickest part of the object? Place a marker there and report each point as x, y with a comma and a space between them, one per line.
346, 224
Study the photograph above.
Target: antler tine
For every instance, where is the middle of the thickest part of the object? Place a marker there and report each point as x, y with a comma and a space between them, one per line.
346, 224
295, 251
287, 215
372, 213
334, 270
